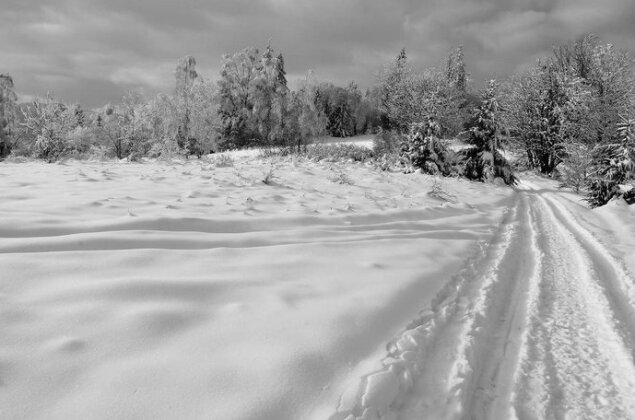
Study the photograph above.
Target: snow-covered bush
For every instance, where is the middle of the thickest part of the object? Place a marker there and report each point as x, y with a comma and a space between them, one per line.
49, 147
47, 124
424, 150
439, 191
222, 161
166, 148
338, 153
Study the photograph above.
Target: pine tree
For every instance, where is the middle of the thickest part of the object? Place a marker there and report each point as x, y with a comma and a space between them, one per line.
483, 161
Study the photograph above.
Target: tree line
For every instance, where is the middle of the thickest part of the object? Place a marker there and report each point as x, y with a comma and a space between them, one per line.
249, 105
570, 115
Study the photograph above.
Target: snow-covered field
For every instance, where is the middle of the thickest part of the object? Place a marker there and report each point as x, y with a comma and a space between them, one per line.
193, 290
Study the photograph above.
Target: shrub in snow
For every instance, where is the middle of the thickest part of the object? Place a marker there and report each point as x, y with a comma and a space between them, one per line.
424, 150
269, 175
222, 161
49, 147
341, 178
438, 191
166, 148
613, 168
483, 160
338, 153
190, 146
574, 168
387, 163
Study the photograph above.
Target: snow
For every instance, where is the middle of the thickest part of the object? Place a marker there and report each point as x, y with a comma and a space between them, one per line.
540, 323
192, 290
620, 219
360, 141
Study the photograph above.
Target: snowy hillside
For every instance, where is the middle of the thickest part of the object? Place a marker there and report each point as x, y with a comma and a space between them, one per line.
333, 291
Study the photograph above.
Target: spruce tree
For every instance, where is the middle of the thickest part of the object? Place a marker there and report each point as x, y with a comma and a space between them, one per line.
424, 150
483, 161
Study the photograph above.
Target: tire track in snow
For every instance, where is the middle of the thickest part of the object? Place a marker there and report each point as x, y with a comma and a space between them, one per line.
539, 324
611, 274
580, 351
417, 372
482, 361
504, 334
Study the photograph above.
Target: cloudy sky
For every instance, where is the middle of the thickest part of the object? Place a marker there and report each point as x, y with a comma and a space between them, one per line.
92, 51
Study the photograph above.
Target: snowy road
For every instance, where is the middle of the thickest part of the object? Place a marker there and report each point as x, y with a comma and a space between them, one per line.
540, 324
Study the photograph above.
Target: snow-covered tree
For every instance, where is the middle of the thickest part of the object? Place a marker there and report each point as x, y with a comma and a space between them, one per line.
204, 124
163, 124
185, 76
613, 168
607, 75
543, 109
47, 122
407, 97
484, 161
339, 106
269, 92
575, 96
236, 101
574, 169
455, 69
132, 121
305, 119
253, 98
423, 149
8, 114
395, 94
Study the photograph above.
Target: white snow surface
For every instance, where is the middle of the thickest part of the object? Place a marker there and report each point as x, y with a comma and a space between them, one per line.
178, 289
163, 290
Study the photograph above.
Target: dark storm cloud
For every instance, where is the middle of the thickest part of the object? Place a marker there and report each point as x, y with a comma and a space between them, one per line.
91, 51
